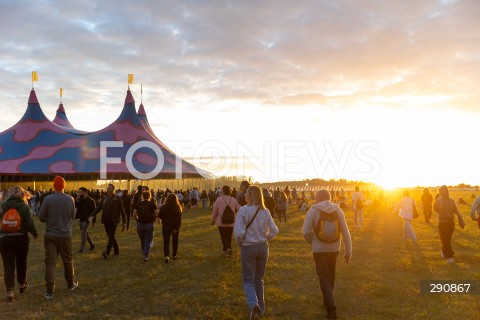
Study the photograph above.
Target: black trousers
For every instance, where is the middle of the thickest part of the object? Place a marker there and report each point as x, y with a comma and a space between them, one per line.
445, 229
226, 236
110, 229
325, 263
167, 233
14, 250
427, 212
127, 214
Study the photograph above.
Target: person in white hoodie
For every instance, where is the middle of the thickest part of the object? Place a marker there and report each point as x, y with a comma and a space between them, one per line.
405, 210
358, 197
325, 253
253, 228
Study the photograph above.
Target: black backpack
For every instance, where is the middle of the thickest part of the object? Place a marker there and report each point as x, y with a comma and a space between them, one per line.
228, 216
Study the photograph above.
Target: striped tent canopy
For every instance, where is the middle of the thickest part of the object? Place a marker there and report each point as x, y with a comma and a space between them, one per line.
37, 147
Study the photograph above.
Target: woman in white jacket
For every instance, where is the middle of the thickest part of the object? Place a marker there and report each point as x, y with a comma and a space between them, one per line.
254, 227
405, 210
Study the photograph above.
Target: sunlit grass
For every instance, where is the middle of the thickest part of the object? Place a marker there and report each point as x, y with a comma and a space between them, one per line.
381, 282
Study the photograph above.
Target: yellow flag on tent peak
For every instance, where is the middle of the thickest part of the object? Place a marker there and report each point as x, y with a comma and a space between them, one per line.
34, 76
130, 78
61, 92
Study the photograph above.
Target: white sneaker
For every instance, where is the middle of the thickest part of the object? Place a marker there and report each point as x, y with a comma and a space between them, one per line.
451, 260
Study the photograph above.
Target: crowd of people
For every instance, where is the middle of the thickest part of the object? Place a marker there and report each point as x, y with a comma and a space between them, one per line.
247, 215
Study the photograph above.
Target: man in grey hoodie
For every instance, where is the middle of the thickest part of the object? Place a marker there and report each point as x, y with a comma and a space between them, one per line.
325, 253
58, 212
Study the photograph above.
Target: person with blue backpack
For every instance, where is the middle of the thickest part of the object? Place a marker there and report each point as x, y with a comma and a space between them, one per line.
323, 224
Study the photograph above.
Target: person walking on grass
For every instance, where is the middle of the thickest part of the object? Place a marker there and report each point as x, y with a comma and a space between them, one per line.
171, 216
137, 197
282, 207
204, 199
146, 214
358, 202
427, 201
253, 229
58, 212
241, 193
127, 206
475, 211
14, 241
194, 197
405, 210
325, 248
446, 209
85, 205
218, 219
269, 202
112, 211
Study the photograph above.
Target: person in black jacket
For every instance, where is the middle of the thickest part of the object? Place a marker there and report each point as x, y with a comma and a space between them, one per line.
137, 197
127, 204
85, 206
427, 202
171, 216
112, 210
146, 213
270, 203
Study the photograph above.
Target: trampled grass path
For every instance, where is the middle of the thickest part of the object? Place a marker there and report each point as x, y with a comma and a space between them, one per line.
381, 282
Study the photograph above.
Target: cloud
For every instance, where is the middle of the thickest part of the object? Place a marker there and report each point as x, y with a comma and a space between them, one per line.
245, 51
302, 99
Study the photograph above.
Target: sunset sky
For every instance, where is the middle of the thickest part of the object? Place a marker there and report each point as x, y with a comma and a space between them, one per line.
381, 91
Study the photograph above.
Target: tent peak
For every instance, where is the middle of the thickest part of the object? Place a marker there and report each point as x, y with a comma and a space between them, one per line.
33, 97
61, 108
141, 110
129, 97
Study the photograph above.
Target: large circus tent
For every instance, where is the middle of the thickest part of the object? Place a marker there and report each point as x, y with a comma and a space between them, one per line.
36, 149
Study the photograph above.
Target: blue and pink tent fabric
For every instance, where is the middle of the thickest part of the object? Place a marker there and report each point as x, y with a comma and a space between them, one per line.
36, 146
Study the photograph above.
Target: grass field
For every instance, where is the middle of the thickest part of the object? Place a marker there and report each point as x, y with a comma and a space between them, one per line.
381, 282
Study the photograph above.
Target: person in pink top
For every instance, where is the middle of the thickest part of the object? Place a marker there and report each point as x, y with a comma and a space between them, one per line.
225, 229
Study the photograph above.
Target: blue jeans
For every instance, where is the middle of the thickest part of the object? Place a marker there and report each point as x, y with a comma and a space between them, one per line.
84, 225
145, 232
254, 263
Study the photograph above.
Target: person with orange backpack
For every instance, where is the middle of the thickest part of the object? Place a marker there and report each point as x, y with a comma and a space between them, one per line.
14, 242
